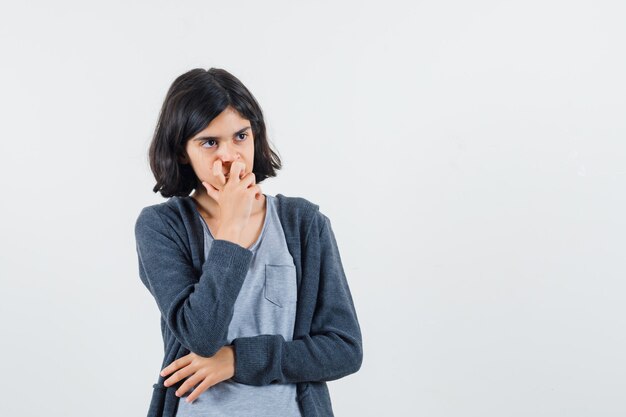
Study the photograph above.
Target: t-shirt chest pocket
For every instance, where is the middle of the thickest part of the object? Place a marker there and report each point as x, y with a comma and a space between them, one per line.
280, 284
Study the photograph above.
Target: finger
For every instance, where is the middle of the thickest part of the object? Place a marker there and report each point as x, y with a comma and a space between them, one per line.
249, 179
212, 191
217, 167
204, 385
189, 384
242, 173
179, 376
259, 193
217, 171
175, 365
236, 169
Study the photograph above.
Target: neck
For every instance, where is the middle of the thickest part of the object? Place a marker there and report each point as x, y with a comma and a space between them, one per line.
207, 206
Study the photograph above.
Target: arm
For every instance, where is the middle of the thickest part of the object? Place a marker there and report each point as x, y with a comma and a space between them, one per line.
331, 350
197, 310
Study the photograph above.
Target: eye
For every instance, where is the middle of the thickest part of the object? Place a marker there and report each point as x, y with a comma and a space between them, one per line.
241, 139
207, 141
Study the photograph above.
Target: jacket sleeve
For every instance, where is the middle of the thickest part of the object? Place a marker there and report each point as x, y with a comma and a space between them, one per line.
331, 350
197, 310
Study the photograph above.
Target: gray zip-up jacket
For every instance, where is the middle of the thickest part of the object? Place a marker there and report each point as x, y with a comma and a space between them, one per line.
196, 301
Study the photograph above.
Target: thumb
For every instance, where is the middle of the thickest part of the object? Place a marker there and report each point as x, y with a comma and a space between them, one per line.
212, 191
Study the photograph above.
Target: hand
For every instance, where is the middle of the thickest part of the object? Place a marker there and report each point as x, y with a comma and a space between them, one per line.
219, 177
235, 197
206, 371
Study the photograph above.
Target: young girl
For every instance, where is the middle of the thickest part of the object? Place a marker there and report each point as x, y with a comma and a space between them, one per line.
256, 312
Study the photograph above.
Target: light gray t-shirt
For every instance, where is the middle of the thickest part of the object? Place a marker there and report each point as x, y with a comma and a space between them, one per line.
266, 304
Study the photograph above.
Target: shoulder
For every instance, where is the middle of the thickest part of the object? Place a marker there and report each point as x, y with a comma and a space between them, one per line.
297, 203
301, 213
171, 212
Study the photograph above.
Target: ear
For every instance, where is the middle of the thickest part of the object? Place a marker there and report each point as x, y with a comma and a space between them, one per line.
183, 159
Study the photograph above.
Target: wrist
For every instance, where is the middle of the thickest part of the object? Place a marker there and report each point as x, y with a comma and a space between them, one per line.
231, 359
230, 233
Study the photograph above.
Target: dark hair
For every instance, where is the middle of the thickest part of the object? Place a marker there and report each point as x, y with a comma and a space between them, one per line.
193, 100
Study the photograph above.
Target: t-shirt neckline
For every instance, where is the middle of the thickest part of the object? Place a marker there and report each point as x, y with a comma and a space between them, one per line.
265, 221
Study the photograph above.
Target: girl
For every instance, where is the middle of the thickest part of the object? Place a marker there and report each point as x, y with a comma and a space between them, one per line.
256, 312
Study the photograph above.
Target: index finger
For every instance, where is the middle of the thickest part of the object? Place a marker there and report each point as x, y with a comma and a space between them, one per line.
178, 363
168, 369
217, 167
217, 171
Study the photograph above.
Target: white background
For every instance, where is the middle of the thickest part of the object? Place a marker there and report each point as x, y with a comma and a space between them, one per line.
471, 157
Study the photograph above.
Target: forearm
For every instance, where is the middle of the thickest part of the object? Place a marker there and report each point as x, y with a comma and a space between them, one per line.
197, 310
266, 359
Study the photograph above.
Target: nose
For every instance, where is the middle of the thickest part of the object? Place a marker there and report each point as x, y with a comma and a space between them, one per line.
227, 155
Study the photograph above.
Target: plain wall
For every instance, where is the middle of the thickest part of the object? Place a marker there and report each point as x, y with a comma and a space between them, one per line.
470, 155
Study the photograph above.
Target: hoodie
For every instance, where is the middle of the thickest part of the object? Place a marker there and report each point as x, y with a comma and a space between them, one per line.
196, 300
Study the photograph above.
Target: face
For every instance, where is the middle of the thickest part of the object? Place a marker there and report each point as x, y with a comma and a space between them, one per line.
226, 139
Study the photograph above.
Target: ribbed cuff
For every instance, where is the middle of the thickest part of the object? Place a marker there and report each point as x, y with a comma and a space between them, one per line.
227, 254
252, 357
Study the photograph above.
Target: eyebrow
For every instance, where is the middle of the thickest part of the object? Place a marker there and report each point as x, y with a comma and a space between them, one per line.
217, 137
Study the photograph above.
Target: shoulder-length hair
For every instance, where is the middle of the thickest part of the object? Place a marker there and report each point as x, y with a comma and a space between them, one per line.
193, 100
